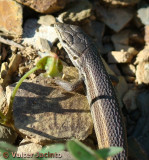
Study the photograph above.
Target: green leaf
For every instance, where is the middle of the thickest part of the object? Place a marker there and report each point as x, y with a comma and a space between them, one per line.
7, 146
108, 152
8, 150
52, 65
41, 64
53, 148
80, 151
54, 68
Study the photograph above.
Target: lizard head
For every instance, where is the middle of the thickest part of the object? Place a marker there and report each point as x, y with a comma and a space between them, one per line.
73, 40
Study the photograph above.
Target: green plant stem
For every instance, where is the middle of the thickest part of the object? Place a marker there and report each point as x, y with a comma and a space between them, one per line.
2, 117
8, 116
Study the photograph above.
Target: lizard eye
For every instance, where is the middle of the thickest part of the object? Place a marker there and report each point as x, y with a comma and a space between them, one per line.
75, 58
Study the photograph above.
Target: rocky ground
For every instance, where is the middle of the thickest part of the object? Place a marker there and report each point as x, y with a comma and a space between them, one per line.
43, 112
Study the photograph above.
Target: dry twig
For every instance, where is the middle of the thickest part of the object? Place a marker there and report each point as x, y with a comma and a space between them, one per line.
11, 43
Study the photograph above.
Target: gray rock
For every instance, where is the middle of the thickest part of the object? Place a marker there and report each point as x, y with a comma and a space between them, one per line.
143, 13
122, 56
77, 12
142, 69
142, 73
115, 69
121, 89
107, 47
96, 30
48, 113
47, 20
130, 100
143, 55
32, 32
44, 46
114, 18
143, 103
121, 37
108, 69
121, 40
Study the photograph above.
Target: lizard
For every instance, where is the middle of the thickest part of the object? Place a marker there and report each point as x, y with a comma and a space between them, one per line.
106, 113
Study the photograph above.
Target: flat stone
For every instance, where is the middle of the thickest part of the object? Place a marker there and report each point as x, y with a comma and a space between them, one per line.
130, 100
44, 6
121, 2
142, 73
114, 18
11, 17
48, 113
47, 20
122, 56
76, 12
32, 32
29, 148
